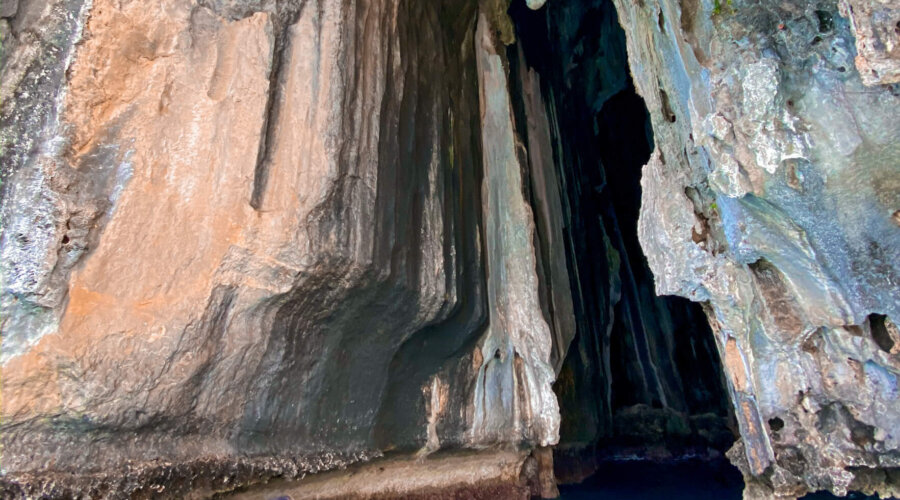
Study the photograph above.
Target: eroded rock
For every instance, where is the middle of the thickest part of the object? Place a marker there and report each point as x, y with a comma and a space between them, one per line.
786, 159
259, 229
876, 27
245, 240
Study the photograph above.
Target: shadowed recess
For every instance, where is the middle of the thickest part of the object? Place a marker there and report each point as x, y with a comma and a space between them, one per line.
642, 376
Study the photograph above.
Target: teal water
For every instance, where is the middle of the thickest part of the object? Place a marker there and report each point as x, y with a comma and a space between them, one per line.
682, 480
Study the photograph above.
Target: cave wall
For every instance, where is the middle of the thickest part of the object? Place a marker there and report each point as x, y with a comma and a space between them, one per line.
250, 238
771, 197
263, 234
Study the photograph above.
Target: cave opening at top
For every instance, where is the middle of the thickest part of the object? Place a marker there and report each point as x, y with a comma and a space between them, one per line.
642, 376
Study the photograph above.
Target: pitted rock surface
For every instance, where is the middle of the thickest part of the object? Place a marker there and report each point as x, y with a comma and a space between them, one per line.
783, 159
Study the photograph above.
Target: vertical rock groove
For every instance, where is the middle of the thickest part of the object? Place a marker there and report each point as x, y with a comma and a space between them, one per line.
286, 14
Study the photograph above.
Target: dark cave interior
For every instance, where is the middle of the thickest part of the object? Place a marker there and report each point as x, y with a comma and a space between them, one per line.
642, 376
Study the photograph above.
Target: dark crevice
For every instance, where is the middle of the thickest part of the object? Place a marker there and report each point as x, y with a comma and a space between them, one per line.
880, 334
642, 376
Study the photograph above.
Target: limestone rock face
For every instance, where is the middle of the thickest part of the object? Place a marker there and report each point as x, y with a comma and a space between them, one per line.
875, 26
264, 233
518, 343
244, 239
772, 197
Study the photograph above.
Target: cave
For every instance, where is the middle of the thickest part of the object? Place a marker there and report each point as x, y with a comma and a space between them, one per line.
449, 248
642, 377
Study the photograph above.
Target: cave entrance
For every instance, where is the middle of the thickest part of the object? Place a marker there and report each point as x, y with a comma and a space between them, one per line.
641, 379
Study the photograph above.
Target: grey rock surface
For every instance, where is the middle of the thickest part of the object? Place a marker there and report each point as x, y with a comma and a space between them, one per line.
877, 32
770, 198
517, 346
9, 8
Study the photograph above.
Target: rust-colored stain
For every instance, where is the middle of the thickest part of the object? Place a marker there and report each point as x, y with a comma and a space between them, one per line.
752, 432
734, 365
182, 205
84, 302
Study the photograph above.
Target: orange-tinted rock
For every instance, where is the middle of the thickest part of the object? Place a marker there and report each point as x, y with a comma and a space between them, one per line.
256, 217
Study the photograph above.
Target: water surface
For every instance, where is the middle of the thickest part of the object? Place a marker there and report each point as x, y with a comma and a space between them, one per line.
682, 480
